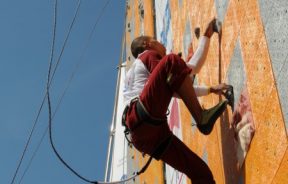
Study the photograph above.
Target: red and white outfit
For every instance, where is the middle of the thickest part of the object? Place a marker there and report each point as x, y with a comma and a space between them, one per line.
140, 70
155, 80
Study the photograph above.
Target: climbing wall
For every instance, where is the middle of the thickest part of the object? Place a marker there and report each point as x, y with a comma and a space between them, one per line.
140, 21
252, 55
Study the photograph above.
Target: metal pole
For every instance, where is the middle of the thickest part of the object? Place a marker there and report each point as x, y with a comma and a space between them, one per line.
113, 123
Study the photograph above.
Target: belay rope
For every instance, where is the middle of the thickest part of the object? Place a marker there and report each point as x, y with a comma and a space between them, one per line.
135, 174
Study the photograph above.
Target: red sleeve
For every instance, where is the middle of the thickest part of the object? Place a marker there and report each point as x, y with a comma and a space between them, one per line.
150, 59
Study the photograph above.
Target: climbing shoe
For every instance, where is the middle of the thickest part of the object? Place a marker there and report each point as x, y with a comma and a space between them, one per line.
229, 95
209, 117
217, 25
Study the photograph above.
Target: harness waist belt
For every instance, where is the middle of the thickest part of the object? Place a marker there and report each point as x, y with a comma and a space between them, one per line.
144, 116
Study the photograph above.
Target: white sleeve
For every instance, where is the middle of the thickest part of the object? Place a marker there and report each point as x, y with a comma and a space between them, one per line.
128, 84
201, 90
198, 58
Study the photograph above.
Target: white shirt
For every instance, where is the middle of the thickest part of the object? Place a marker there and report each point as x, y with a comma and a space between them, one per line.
135, 80
138, 73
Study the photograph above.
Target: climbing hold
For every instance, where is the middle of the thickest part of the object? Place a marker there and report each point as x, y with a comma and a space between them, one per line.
197, 32
229, 95
217, 26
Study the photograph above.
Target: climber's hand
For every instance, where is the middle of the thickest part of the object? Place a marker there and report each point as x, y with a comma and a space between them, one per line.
209, 30
219, 89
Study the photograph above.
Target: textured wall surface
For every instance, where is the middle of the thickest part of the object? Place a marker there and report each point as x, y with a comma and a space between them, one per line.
252, 55
140, 21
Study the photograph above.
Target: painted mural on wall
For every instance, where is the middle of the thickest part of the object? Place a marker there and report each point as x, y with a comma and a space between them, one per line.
243, 125
174, 121
163, 24
253, 57
164, 34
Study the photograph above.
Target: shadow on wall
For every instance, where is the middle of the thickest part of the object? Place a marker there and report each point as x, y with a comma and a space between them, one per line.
236, 138
229, 152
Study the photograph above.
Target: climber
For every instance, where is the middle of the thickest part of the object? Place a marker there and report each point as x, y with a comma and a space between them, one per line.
153, 79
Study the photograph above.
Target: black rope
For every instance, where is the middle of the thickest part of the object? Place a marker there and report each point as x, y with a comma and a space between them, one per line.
53, 146
48, 92
41, 106
63, 94
145, 166
50, 114
28, 141
43, 101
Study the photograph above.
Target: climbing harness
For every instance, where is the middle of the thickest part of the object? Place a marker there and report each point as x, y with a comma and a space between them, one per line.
144, 117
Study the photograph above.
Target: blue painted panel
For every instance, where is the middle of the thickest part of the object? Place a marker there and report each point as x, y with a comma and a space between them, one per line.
167, 24
180, 3
275, 19
236, 73
205, 156
187, 38
132, 23
221, 8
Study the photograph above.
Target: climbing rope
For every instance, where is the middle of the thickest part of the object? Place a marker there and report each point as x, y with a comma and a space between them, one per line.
50, 116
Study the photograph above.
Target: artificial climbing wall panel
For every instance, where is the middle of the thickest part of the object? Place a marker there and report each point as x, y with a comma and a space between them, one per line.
252, 55
140, 21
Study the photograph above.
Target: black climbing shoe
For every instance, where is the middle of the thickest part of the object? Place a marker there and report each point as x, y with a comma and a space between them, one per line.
210, 116
229, 95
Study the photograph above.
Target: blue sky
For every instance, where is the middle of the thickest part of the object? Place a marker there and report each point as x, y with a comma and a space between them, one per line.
81, 125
